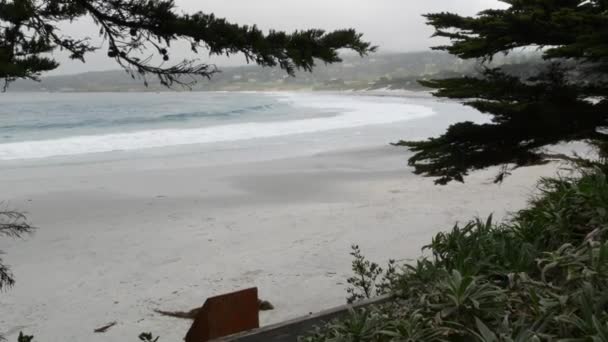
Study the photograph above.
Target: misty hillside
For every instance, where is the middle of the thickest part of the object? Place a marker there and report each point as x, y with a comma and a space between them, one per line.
379, 71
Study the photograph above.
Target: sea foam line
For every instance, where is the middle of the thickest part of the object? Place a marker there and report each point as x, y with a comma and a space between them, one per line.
354, 113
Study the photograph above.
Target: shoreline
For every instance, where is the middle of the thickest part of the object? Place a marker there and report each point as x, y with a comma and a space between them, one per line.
396, 115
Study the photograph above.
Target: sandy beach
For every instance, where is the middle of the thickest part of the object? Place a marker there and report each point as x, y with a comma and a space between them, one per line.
164, 229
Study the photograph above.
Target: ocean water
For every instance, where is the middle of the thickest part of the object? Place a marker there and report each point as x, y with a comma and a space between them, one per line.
41, 125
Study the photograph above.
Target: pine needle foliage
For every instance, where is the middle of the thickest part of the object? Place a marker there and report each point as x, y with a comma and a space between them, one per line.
564, 100
12, 225
139, 34
541, 275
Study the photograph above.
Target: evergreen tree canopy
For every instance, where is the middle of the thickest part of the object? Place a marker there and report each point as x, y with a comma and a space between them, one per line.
565, 101
13, 225
139, 33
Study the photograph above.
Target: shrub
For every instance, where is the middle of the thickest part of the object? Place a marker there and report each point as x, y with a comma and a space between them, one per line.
541, 275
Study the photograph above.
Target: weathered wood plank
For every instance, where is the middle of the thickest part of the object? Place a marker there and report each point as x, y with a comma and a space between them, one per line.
289, 331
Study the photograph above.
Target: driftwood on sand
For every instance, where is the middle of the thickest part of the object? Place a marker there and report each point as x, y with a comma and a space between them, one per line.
105, 327
264, 305
180, 314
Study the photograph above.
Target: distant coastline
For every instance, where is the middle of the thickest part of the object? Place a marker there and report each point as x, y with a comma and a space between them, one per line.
397, 71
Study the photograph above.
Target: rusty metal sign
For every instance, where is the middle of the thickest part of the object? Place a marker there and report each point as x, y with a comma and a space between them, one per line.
225, 315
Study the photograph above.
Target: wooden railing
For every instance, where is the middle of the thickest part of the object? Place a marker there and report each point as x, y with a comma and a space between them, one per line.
289, 331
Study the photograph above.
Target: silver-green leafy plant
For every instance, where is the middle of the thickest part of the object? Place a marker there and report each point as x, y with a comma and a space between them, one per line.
541, 275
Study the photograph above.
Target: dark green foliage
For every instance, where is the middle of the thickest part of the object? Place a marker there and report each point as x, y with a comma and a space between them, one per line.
136, 31
540, 276
528, 112
570, 28
370, 279
24, 338
147, 337
12, 225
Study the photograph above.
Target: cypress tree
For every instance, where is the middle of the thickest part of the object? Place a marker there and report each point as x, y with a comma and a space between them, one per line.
139, 33
565, 100
13, 225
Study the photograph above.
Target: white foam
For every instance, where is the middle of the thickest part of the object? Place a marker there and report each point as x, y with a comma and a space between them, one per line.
354, 112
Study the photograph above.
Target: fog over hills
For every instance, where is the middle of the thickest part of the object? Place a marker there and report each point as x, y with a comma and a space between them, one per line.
379, 71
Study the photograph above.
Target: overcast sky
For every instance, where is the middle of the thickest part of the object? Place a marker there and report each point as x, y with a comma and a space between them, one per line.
393, 25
